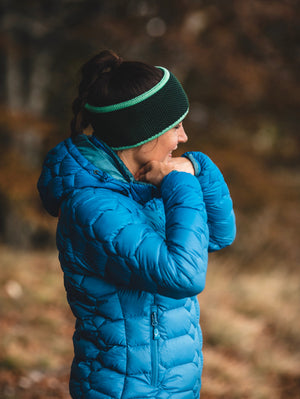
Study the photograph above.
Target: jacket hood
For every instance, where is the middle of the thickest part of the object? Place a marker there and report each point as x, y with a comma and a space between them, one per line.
74, 165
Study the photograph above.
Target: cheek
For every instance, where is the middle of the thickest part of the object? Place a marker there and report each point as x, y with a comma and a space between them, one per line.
169, 140
160, 154
167, 146
172, 144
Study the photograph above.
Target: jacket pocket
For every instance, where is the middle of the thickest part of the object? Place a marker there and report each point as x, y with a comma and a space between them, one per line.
154, 345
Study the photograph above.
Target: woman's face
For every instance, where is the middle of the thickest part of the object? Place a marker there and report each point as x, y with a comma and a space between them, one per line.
161, 149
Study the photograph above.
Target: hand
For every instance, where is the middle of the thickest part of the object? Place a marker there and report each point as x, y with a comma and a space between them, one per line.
154, 171
182, 164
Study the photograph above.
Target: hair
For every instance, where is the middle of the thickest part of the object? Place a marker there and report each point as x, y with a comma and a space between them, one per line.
105, 80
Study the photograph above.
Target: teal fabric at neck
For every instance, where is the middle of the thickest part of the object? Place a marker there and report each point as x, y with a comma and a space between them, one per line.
100, 158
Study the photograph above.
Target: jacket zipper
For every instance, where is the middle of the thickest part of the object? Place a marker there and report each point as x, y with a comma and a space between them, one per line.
154, 345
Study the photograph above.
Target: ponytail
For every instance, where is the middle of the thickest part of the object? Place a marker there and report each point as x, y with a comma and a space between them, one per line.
91, 71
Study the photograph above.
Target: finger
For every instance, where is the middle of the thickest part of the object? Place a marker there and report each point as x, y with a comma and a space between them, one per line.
143, 170
141, 177
139, 174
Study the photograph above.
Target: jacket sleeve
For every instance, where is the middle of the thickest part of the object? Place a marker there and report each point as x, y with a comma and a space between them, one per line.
220, 214
112, 239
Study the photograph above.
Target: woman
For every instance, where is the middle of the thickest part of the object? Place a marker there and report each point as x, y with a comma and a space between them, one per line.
134, 230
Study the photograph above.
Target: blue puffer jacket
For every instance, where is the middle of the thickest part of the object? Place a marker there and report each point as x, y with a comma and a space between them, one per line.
134, 258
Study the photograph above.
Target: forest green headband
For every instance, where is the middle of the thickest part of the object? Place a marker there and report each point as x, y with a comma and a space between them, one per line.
134, 122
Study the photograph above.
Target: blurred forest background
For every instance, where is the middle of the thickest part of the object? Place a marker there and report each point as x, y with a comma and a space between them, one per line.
239, 62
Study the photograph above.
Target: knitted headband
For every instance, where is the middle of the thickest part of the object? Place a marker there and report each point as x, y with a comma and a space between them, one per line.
134, 122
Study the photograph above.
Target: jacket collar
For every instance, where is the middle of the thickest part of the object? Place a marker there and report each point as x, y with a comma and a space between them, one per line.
112, 168
102, 157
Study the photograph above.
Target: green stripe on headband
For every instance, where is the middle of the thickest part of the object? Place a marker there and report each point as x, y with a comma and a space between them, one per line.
133, 101
134, 122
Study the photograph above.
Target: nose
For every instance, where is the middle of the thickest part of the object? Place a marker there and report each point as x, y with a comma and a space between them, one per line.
182, 136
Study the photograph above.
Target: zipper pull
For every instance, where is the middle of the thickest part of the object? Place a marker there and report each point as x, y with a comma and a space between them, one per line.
154, 322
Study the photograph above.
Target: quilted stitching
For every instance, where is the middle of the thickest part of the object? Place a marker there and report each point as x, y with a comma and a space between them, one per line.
124, 246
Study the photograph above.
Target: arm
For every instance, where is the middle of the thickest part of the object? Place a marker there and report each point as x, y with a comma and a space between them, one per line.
125, 250
220, 214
